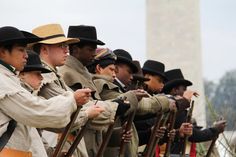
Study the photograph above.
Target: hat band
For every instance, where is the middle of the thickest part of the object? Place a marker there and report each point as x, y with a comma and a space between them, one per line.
54, 36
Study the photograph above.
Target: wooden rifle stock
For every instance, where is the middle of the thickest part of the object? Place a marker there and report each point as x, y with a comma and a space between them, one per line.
147, 151
106, 139
78, 138
171, 127
128, 127
108, 134
188, 120
211, 147
153, 140
65, 134
156, 139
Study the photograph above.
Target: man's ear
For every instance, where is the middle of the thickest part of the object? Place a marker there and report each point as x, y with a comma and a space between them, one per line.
98, 68
44, 50
3, 52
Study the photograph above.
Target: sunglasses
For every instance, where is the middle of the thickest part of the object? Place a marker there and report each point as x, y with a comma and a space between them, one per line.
63, 45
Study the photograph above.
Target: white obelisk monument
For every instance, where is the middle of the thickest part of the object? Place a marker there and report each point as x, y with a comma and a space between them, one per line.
173, 37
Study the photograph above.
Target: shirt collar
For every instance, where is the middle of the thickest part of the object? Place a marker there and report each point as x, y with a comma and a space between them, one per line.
8, 66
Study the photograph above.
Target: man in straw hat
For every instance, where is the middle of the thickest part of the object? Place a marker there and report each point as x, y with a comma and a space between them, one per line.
53, 52
19, 109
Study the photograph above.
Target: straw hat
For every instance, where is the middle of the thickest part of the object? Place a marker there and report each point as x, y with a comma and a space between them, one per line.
53, 34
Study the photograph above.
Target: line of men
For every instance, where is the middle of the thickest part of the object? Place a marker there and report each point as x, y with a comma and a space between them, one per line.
43, 87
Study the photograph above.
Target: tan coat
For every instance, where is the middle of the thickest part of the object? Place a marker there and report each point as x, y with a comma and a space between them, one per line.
53, 85
30, 112
73, 72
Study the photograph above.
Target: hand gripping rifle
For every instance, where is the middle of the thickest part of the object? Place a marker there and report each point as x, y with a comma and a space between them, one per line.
171, 127
127, 128
129, 123
153, 140
188, 120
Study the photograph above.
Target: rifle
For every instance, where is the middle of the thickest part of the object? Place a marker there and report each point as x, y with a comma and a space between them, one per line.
171, 127
127, 128
151, 141
157, 139
107, 136
211, 147
78, 138
106, 139
65, 134
188, 120
128, 125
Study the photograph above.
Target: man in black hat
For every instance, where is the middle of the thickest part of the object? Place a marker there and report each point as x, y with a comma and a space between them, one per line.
125, 70
154, 71
76, 75
20, 111
177, 86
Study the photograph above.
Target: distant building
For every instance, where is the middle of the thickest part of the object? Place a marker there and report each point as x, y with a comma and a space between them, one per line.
173, 37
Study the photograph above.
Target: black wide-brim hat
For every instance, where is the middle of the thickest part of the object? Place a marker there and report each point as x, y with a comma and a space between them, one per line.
85, 34
175, 78
154, 68
139, 75
124, 57
34, 63
11, 35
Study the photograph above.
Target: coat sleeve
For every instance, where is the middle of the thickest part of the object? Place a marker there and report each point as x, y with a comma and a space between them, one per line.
105, 118
36, 112
154, 104
203, 135
109, 94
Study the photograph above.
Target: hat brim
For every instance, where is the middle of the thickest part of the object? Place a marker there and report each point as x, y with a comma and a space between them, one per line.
141, 78
21, 41
36, 68
150, 71
128, 62
97, 42
173, 83
58, 40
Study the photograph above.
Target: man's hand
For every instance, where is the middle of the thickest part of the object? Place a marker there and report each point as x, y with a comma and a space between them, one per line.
82, 96
93, 111
160, 132
172, 104
140, 93
126, 136
172, 134
188, 94
186, 129
220, 125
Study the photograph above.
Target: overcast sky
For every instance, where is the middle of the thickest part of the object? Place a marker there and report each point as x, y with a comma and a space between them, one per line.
121, 24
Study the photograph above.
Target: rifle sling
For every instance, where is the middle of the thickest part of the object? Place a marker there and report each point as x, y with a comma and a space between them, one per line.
7, 134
